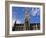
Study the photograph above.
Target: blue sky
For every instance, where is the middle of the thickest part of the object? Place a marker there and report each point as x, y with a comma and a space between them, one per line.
19, 12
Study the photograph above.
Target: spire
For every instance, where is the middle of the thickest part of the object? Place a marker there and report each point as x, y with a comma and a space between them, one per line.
26, 25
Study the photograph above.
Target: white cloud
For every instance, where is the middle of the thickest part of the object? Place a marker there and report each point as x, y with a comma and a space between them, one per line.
13, 21
34, 12
18, 22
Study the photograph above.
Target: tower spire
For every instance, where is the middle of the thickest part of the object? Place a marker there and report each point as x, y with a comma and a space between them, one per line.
26, 24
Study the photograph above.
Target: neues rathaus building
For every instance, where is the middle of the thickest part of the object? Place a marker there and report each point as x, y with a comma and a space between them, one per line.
26, 25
